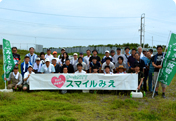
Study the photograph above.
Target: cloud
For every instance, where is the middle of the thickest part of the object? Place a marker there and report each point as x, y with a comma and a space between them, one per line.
174, 1
0, 0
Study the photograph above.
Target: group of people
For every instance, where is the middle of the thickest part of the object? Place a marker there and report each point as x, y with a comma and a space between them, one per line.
140, 61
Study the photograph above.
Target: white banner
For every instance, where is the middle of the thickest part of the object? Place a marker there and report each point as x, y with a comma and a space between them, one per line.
83, 82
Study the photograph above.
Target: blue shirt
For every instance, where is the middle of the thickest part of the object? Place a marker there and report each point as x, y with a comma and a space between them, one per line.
144, 59
32, 58
151, 67
26, 68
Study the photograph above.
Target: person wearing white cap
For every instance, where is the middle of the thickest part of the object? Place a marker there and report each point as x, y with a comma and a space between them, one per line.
26, 77
106, 56
74, 60
37, 65
47, 67
56, 65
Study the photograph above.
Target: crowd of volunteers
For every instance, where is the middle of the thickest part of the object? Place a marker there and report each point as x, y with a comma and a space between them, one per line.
140, 61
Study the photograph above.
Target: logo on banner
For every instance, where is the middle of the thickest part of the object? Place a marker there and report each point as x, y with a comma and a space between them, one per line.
58, 82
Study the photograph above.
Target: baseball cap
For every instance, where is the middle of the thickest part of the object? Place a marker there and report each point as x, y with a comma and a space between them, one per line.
81, 53
47, 59
75, 54
30, 66
16, 67
37, 59
54, 52
54, 58
107, 51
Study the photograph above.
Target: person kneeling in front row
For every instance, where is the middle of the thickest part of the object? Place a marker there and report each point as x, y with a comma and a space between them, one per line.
26, 78
16, 79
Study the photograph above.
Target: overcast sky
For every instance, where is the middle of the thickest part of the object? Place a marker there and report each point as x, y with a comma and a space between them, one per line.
67, 23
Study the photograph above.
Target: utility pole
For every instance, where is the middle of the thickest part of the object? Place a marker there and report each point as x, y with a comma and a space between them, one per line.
142, 30
152, 42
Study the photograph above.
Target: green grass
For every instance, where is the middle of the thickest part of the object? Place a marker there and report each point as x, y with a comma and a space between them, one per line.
53, 106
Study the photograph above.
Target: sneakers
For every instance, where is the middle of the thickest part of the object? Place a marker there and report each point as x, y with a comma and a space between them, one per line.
163, 95
156, 94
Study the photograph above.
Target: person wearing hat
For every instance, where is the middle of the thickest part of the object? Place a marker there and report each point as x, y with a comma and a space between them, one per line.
15, 79
108, 63
115, 58
106, 56
74, 60
127, 55
26, 78
56, 65
32, 56
80, 61
47, 67
37, 65
86, 58
48, 55
55, 56
24, 65
95, 52
121, 70
62, 52
112, 53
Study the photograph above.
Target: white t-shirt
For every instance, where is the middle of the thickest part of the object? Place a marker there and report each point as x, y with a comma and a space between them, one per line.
26, 75
87, 60
109, 73
111, 65
84, 66
50, 57
82, 72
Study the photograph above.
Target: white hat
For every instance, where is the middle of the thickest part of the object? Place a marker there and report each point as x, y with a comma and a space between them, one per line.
30, 66
107, 51
47, 59
75, 54
37, 59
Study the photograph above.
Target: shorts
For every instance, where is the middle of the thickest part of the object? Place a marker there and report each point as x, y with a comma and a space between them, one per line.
155, 78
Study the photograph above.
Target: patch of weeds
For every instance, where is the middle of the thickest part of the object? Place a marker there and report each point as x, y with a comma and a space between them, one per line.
124, 103
6, 96
65, 118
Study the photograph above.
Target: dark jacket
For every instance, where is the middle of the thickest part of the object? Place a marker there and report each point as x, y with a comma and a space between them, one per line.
70, 68
57, 68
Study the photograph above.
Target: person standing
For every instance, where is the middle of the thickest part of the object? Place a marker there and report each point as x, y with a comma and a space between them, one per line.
127, 55
140, 52
16, 57
32, 56
62, 52
95, 52
48, 55
42, 57
151, 71
94, 63
63, 59
115, 58
112, 53
87, 59
74, 60
157, 63
139, 62
151, 51
131, 61
55, 56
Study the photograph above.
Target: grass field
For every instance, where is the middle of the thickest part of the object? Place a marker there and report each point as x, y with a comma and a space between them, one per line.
52, 106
